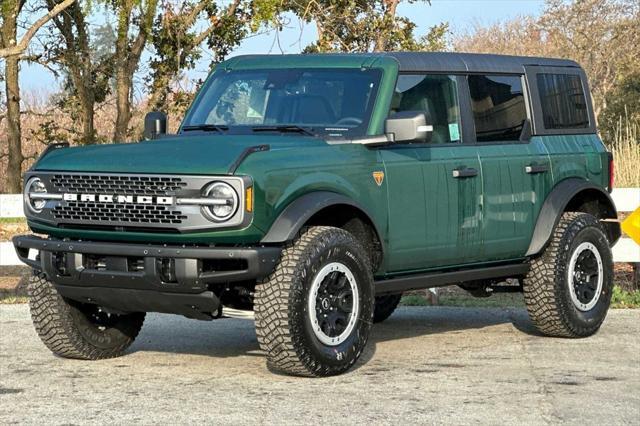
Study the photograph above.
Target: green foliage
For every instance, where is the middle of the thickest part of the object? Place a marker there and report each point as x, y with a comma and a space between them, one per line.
49, 131
622, 103
414, 300
178, 35
364, 26
625, 299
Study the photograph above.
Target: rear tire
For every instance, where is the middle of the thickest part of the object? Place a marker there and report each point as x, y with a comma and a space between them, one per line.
568, 288
314, 313
77, 330
385, 306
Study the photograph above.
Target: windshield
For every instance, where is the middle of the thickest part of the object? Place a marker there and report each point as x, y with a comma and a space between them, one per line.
327, 102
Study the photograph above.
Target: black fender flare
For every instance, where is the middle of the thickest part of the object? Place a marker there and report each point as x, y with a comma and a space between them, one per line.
295, 215
555, 205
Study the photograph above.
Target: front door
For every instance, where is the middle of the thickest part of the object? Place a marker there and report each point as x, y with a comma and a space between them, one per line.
435, 187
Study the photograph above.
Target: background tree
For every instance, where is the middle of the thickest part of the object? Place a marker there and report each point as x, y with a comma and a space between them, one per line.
364, 26
178, 44
87, 71
134, 22
600, 35
11, 49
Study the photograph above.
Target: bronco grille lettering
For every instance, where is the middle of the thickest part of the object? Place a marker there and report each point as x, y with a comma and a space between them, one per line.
120, 199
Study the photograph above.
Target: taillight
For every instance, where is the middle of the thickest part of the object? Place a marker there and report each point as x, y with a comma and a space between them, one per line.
611, 172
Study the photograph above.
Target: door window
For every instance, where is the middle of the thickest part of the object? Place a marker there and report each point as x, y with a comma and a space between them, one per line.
437, 97
498, 107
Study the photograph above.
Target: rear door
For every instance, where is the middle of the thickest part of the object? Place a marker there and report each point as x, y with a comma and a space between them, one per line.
516, 171
435, 188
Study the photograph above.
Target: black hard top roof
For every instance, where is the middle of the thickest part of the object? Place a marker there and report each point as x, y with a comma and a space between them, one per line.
471, 62
447, 62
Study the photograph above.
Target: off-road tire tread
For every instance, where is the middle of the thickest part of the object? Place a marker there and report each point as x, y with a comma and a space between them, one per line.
53, 322
545, 304
274, 331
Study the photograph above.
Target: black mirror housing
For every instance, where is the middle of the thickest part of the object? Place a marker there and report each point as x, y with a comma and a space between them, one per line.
408, 126
155, 125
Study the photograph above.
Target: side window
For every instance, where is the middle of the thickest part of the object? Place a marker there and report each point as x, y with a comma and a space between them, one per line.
562, 99
437, 97
498, 106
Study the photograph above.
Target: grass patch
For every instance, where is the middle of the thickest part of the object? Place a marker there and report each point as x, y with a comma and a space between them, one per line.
13, 220
13, 300
414, 300
499, 300
622, 299
461, 299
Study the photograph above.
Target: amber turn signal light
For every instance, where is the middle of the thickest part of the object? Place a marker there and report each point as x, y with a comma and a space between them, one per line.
248, 199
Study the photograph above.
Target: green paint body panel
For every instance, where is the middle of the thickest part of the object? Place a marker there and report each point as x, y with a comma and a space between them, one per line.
427, 219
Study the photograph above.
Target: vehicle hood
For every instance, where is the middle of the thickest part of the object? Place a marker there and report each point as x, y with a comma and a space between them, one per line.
201, 154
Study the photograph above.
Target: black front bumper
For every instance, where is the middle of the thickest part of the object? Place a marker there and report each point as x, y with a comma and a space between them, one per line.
144, 277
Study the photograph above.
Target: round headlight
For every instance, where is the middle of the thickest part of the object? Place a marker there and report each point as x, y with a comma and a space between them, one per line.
34, 187
224, 201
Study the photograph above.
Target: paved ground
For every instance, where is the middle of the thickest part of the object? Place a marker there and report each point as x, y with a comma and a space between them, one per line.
424, 365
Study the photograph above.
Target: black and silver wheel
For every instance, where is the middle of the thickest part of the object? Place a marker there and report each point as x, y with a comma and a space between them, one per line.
568, 289
334, 304
585, 276
385, 306
79, 330
314, 313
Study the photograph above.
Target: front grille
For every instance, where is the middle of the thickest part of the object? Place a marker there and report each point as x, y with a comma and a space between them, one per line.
125, 213
130, 202
117, 184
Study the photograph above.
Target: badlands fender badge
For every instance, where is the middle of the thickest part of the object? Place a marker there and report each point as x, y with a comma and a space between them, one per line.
378, 177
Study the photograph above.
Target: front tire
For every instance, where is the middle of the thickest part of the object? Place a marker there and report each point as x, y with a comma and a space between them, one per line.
77, 330
314, 313
568, 288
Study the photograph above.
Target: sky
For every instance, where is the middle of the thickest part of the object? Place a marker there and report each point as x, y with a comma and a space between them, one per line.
461, 15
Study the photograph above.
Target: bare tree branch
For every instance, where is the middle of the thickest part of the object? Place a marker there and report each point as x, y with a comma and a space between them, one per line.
21, 46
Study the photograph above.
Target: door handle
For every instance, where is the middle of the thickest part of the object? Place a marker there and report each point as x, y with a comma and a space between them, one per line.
533, 169
464, 173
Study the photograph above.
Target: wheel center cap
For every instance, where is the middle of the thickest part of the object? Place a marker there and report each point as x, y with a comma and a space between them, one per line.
325, 303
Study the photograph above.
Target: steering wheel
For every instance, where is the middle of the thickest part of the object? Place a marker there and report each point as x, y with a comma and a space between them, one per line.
349, 120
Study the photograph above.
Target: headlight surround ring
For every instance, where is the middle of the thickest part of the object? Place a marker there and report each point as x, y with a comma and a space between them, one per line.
35, 186
222, 212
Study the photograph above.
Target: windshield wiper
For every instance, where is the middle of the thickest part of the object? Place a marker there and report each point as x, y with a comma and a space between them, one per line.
285, 129
206, 128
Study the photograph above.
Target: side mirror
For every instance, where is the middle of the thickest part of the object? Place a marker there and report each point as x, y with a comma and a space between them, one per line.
155, 124
408, 126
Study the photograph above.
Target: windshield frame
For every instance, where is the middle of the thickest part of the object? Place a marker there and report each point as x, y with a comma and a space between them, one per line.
321, 131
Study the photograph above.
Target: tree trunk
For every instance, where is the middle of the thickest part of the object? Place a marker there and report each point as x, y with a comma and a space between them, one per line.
8, 37
389, 15
88, 132
127, 58
123, 105
14, 166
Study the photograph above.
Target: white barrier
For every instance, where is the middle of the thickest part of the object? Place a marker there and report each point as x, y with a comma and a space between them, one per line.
8, 256
626, 200
11, 205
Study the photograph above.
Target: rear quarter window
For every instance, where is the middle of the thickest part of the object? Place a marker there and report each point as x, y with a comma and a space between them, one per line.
563, 102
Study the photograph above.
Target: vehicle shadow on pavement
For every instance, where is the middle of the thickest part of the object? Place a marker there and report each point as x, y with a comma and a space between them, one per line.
411, 322
233, 337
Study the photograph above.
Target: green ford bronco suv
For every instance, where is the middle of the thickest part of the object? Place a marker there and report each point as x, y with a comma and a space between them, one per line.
310, 191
